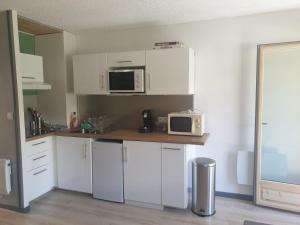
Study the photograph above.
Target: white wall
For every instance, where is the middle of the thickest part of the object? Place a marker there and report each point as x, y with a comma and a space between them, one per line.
225, 75
57, 49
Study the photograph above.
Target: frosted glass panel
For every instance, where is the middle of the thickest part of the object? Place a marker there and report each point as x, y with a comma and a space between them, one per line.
281, 115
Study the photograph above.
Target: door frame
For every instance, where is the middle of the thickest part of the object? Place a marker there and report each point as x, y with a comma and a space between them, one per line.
259, 184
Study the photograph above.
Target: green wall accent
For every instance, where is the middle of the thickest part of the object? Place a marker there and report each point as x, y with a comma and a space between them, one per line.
30, 92
27, 43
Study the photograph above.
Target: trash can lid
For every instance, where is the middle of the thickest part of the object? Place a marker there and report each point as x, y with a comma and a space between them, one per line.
204, 162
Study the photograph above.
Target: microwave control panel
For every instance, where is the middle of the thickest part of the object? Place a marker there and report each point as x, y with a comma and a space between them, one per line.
139, 80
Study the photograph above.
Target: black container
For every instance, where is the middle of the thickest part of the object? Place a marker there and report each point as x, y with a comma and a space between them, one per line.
147, 122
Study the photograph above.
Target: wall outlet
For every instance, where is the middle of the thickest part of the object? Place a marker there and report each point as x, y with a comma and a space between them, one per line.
162, 119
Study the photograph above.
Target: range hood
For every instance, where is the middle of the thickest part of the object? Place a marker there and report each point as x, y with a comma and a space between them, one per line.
36, 86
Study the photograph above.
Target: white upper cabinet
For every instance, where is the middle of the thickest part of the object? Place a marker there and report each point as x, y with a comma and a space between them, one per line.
142, 172
74, 164
125, 59
170, 71
31, 68
90, 74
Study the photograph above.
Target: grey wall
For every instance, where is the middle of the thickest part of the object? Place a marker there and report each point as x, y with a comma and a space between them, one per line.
8, 133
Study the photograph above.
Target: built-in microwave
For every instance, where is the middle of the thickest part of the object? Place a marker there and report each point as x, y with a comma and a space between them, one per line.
186, 123
126, 81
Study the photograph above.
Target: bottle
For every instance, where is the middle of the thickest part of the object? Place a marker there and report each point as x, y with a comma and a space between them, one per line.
73, 121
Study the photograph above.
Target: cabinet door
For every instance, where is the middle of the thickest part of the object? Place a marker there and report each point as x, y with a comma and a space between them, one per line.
170, 71
31, 68
74, 164
90, 74
121, 59
142, 175
174, 176
38, 168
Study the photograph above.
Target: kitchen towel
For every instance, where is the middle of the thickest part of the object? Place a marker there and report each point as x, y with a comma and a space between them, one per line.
5, 176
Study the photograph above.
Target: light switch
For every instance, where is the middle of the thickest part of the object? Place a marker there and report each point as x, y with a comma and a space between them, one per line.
10, 115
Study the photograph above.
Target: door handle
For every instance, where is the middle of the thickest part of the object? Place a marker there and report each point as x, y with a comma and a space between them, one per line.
26, 77
39, 143
42, 171
149, 81
166, 148
43, 156
84, 151
125, 154
124, 61
264, 123
102, 83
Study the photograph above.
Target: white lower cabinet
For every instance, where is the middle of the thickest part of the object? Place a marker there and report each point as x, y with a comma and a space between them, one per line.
174, 176
156, 173
74, 164
142, 172
38, 163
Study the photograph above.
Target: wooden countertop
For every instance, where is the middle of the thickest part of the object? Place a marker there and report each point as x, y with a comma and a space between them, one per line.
39, 136
133, 135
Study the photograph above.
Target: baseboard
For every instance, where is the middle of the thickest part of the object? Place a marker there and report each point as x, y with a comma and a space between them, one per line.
17, 209
234, 195
145, 205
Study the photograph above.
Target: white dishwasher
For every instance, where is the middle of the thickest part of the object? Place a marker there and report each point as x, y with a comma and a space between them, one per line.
108, 171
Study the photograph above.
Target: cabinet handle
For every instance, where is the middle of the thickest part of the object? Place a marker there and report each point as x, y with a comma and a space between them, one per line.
42, 171
42, 142
84, 151
166, 148
102, 81
124, 61
25, 77
125, 154
39, 157
149, 81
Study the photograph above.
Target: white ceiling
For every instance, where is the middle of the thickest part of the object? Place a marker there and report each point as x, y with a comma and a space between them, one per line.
78, 15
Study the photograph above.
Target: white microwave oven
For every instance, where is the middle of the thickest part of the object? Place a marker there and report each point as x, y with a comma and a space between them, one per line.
126, 81
186, 123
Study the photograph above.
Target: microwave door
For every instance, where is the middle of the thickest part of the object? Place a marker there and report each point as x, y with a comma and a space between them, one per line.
181, 125
121, 81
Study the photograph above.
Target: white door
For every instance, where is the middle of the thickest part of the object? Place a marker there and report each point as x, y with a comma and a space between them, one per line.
170, 71
174, 176
142, 172
74, 164
90, 74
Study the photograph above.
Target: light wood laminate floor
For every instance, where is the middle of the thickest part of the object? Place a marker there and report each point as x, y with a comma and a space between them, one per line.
67, 208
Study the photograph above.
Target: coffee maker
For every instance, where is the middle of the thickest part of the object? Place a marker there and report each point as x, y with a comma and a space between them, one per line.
147, 122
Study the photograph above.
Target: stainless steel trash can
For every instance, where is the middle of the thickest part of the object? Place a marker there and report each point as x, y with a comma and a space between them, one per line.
203, 185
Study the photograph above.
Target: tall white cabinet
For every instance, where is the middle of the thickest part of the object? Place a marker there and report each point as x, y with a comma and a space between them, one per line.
74, 164
90, 74
170, 71
142, 171
174, 175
